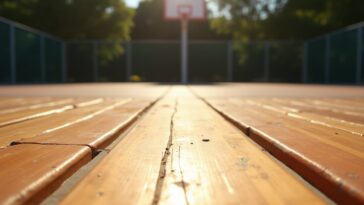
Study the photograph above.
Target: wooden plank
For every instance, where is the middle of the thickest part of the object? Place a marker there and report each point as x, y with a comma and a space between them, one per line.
48, 124
29, 173
125, 90
254, 115
338, 104
321, 119
49, 103
227, 169
334, 113
96, 131
351, 102
129, 173
14, 102
48, 109
329, 158
275, 90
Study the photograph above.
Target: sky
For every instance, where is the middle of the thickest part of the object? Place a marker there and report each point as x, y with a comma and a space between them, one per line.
132, 3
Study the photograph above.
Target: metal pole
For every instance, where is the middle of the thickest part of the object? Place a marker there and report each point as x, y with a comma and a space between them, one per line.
95, 61
12, 54
305, 63
184, 51
229, 62
64, 62
359, 57
129, 58
266, 61
42, 58
327, 59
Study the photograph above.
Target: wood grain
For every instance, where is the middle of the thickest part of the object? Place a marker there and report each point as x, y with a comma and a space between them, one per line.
51, 123
128, 175
40, 111
96, 131
191, 156
330, 158
29, 173
7, 103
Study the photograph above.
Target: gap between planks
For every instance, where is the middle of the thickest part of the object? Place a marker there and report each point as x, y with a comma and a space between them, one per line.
163, 165
72, 181
95, 151
248, 132
130, 122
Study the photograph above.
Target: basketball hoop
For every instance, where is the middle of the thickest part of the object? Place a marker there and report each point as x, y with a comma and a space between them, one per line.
184, 10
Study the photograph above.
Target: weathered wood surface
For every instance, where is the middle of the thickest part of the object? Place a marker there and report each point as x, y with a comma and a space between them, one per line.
96, 130
52, 137
50, 123
8, 103
65, 148
191, 156
124, 90
12, 116
321, 139
29, 173
316, 130
128, 175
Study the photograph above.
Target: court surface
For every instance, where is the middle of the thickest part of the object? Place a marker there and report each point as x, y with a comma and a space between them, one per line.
172, 144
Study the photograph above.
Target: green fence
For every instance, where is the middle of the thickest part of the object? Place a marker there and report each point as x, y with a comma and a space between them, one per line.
5, 61
217, 61
208, 61
157, 61
335, 58
268, 62
53, 52
28, 55
31, 56
250, 62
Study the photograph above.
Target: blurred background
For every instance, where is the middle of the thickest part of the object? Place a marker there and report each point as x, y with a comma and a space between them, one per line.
297, 41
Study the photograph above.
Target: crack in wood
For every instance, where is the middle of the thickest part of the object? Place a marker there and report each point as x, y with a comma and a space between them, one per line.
166, 154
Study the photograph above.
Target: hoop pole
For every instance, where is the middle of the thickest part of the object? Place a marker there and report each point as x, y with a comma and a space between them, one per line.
184, 50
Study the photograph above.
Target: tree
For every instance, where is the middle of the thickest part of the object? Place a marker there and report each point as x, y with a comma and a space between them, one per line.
284, 19
76, 20
73, 19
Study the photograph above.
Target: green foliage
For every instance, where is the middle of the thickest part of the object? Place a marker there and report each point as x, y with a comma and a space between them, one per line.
288, 20
284, 19
75, 19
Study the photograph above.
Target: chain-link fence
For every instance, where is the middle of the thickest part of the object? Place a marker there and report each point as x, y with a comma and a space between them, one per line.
31, 56
335, 58
160, 61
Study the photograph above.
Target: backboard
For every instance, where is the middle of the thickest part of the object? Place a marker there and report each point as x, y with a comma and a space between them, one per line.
179, 9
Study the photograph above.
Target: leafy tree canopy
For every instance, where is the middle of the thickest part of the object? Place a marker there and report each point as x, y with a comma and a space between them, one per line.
73, 19
284, 19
